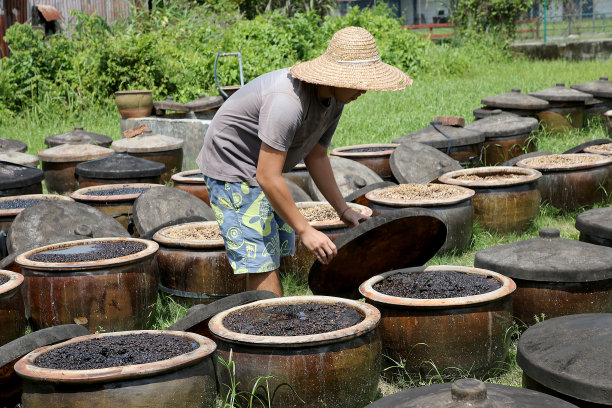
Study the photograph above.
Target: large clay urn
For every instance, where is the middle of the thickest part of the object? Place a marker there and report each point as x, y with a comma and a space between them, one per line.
12, 312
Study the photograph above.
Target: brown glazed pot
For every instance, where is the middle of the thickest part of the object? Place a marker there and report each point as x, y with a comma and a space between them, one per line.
377, 160
195, 271
134, 104
7, 216
457, 212
334, 369
463, 335
112, 294
503, 205
566, 108
302, 259
186, 381
12, 312
193, 185
570, 187
120, 207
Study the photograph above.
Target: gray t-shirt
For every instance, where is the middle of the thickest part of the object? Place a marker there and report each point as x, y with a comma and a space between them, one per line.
275, 108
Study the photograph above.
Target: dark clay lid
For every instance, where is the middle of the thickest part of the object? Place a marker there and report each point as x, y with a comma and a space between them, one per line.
504, 124
420, 163
51, 222
561, 93
78, 136
570, 355
394, 240
12, 145
469, 392
430, 136
163, 206
548, 258
515, 100
15, 175
120, 166
596, 222
350, 176
600, 89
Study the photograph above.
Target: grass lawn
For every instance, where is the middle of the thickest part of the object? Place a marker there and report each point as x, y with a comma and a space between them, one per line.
379, 117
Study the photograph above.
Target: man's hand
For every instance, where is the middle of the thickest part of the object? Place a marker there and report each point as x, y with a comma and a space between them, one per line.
353, 218
319, 244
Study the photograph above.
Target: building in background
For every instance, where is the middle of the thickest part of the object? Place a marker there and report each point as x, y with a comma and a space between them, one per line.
410, 11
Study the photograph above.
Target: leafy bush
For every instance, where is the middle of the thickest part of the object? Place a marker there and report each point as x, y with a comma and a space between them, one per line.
172, 50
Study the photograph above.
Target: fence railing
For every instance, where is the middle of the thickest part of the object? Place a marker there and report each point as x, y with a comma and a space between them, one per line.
436, 36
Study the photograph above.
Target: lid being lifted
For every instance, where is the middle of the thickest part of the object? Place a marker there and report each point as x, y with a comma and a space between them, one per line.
120, 166
147, 142
350, 176
420, 163
570, 355
504, 124
12, 145
78, 136
394, 240
469, 393
431, 136
560, 93
16, 175
515, 100
599, 89
548, 258
67, 153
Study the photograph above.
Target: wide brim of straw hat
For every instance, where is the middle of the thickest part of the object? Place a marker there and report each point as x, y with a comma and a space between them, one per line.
351, 61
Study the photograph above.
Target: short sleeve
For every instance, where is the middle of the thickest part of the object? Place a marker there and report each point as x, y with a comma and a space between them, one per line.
279, 118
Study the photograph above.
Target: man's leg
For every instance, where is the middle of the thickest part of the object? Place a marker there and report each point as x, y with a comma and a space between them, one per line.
265, 281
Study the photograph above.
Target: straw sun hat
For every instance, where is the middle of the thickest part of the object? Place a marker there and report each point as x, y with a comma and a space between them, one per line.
352, 61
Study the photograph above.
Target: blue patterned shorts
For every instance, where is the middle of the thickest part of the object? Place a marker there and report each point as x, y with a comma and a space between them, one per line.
255, 236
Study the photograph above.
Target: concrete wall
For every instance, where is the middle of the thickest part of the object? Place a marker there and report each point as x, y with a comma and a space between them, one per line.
575, 51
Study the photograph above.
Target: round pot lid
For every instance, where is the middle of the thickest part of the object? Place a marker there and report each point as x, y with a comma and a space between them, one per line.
469, 392
515, 100
189, 177
349, 175
147, 143
74, 153
579, 148
596, 222
12, 145
560, 93
433, 136
570, 355
601, 88
394, 240
19, 158
514, 160
548, 258
16, 175
504, 124
163, 206
51, 222
420, 163
78, 136
120, 166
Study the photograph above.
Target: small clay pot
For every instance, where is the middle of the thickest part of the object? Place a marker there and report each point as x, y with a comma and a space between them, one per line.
195, 271
302, 259
374, 156
134, 104
119, 206
334, 369
571, 186
501, 205
457, 213
112, 294
187, 380
12, 312
196, 186
446, 336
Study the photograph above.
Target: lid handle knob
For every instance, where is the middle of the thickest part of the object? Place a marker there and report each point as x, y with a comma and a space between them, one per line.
78, 128
549, 233
516, 90
560, 84
360, 182
468, 390
603, 78
84, 230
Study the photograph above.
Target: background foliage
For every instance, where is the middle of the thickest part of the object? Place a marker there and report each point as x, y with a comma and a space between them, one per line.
478, 16
171, 50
